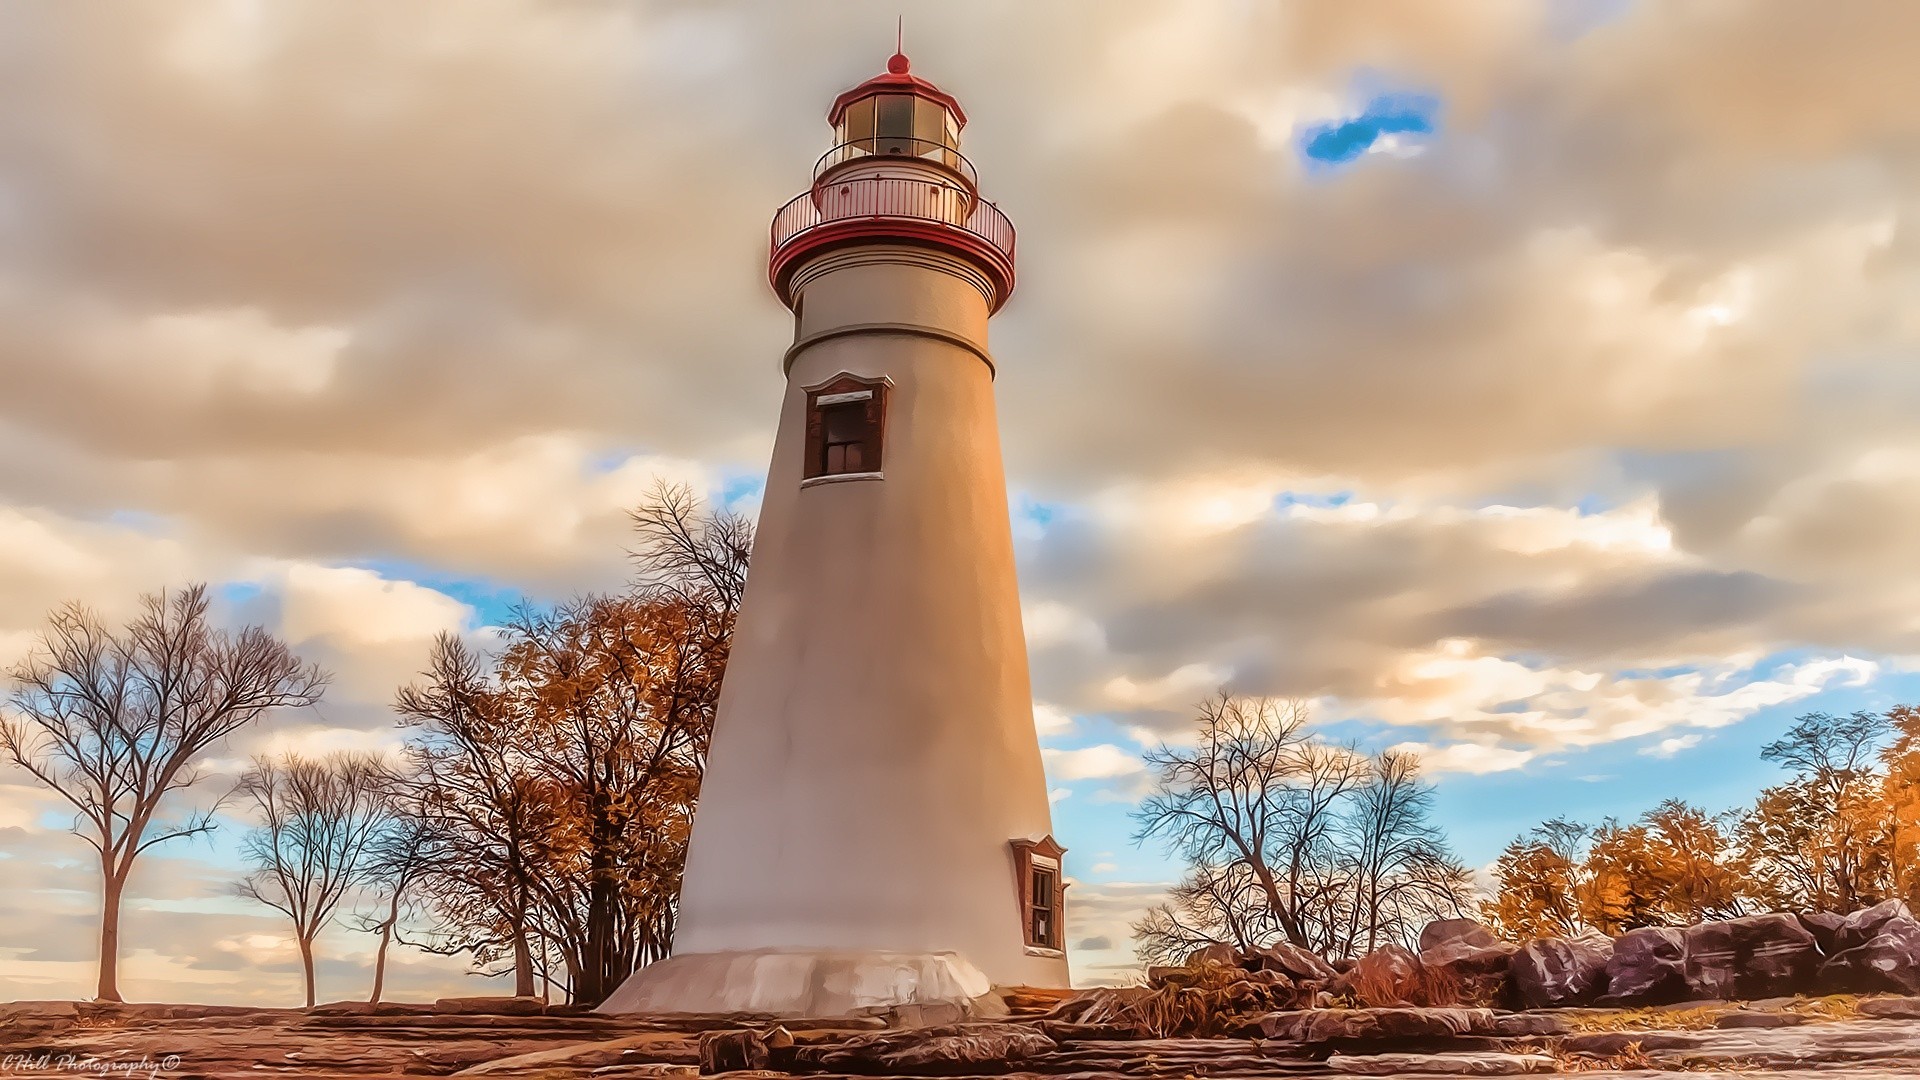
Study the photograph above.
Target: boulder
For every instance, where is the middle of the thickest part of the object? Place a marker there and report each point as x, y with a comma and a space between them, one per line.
1483, 1063
1456, 932
731, 1051
1296, 963
1888, 961
968, 1049
1552, 973
1478, 975
1755, 957
1218, 954
1648, 967
1389, 976
1825, 928
1864, 925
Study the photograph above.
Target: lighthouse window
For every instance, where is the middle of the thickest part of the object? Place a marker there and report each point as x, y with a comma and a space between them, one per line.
844, 427
893, 120
1043, 927
1042, 892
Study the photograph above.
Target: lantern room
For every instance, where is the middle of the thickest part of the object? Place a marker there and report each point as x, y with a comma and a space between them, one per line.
897, 115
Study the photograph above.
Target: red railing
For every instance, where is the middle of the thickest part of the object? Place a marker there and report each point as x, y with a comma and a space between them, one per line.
877, 199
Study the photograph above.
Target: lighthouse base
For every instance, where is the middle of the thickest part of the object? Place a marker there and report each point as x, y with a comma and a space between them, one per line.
803, 982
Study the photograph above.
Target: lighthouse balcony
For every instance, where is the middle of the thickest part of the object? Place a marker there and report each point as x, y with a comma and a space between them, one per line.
850, 205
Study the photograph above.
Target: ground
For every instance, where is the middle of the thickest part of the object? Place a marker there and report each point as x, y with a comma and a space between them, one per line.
1849, 1038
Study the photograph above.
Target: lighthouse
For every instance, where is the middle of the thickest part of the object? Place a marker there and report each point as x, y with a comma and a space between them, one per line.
873, 829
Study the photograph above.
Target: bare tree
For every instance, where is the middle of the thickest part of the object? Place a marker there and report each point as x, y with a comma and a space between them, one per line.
1289, 837
114, 722
1403, 874
317, 822
1255, 791
405, 850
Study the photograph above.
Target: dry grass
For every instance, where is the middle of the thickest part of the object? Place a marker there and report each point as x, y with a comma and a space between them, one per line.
1207, 1000
1629, 1057
1697, 1019
1831, 1007
1375, 987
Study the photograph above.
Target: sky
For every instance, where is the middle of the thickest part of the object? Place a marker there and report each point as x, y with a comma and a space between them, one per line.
1527, 382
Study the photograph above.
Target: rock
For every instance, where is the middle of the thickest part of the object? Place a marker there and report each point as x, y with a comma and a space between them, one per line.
1296, 963
1889, 961
1456, 932
1313, 1026
955, 1048
1825, 928
1482, 1064
1385, 977
1891, 1008
1758, 956
1219, 954
1758, 1020
490, 1006
1648, 967
730, 1051
1606, 1044
1516, 1025
1478, 974
39, 1010
661, 1053
1551, 973
1864, 925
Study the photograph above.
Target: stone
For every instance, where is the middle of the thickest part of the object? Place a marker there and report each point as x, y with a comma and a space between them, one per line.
1755, 957
1456, 932
1218, 954
955, 1048
1296, 963
1517, 1025
730, 1051
1648, 967
1825, 928
1386, 977
1745, 1019
1478, 974
39, 1010
1312, 1026
1606, 1044
1481, 1064
1864, 925
490, 1006
1550, 973
1891, 1008
1889, 961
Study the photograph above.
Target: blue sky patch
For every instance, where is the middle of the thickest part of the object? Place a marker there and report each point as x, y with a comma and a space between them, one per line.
1337, 142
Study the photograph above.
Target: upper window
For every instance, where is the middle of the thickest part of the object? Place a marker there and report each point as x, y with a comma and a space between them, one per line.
846, 422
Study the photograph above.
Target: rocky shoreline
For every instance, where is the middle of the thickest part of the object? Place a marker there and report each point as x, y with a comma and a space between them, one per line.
1767, 995
1843, 1037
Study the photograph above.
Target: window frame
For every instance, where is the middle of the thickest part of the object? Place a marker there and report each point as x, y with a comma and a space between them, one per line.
844, 390
1031, 859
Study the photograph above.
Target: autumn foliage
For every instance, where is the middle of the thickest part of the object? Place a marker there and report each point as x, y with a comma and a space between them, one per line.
1839, 834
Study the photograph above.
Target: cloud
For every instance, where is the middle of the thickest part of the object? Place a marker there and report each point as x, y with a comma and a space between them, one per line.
1672, 745
1102, 762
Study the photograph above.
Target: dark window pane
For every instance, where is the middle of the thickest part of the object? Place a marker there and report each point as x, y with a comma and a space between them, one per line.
893, 121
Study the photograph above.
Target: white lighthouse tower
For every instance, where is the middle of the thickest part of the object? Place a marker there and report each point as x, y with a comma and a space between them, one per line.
873, 830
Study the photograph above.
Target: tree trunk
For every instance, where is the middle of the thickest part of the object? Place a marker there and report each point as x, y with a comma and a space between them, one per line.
306, 964
111, 887
380, 956
522, 963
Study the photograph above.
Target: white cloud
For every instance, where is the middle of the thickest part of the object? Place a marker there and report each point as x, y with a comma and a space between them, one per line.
1102, 762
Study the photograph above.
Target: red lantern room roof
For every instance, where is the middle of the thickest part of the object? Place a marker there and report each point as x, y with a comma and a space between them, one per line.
897, 80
